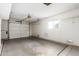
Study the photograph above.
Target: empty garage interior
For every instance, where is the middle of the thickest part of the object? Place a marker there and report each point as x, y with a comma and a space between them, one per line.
39, 29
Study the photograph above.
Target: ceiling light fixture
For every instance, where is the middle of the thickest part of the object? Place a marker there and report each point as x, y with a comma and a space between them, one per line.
47, 4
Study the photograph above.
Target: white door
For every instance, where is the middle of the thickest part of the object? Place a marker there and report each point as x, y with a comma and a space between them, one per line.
17, 30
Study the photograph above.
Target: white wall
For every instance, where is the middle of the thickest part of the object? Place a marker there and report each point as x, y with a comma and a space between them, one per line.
4, 29
17, 30
5, 9
65, 31
0, 37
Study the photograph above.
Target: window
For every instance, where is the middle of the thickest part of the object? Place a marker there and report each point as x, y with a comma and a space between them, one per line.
51, 24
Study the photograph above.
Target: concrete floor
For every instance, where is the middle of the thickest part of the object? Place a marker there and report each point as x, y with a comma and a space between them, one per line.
37, 47
70, 51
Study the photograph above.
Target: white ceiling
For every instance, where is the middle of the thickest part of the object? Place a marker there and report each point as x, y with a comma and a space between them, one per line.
36, 10
39, 10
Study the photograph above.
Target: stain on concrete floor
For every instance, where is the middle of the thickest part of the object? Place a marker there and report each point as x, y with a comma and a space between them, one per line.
31, 47
37, 47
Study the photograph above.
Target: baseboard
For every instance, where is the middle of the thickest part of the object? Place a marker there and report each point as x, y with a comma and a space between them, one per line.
31, 37
19, 38
5, 39
47, 39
